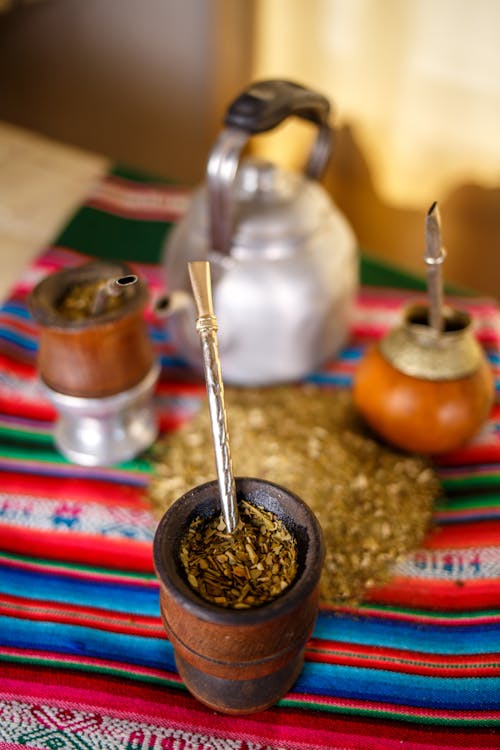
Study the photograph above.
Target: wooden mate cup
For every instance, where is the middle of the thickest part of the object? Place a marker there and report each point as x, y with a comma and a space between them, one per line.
98, 367
239, 661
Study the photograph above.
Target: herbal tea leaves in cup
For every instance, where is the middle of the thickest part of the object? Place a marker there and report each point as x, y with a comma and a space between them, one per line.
247, 568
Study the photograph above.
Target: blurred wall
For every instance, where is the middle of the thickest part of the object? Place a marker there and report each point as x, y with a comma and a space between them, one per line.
415, 88
470, 216
144, 82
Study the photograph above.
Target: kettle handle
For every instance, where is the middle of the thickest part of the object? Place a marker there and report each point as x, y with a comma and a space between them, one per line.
265, 104
261, 107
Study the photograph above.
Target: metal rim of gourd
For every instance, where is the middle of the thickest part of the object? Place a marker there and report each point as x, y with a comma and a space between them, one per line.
415, 349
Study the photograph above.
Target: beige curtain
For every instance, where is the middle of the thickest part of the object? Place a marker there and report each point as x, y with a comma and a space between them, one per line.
419, 81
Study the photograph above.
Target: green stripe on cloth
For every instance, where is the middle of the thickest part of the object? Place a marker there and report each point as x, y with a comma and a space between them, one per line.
396, 713
104, 235
27, 436
478, 481
93, 232
470, 501
138, 175
81, 664
65, 567
375, 272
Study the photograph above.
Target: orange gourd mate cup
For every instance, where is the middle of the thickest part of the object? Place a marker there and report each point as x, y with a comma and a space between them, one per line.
423, 391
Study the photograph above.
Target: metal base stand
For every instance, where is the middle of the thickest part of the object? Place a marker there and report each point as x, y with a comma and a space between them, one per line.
109, 430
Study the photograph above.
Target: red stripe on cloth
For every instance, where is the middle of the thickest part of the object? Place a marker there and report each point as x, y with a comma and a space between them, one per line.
473, 454
402, 660
173, 387
171, 422
47, 611
18, 405
144, 202
63, 660
468, 514
74, 571
471, 534
84, 549
170, 708
73, 488
417, 616
426, 593
21, 369
9, 322
111, 206
495, 411
287, 726
396, 710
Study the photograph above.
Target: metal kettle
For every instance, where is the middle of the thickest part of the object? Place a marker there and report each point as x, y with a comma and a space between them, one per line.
283, 258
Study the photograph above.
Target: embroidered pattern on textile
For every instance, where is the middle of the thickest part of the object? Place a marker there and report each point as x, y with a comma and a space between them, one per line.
91, 518
56, 728
451, 564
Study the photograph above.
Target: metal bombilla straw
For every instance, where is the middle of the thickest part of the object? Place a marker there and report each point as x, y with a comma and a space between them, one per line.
112, 288
206, 325
434, 257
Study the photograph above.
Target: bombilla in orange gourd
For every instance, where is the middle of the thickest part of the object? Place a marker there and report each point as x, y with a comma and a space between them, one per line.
206, 325
434, 257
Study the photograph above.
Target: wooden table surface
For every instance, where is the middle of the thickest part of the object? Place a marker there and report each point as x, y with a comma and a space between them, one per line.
41, 183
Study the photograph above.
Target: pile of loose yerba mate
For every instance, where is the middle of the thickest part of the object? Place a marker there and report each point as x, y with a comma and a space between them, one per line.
247, 568
373, 502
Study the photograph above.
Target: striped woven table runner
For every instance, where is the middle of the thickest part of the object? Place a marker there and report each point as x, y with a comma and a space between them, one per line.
84, 661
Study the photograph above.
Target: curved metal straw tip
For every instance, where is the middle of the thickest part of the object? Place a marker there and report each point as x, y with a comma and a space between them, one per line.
112, 288
433, 209
123, 281
434, 257
435, 253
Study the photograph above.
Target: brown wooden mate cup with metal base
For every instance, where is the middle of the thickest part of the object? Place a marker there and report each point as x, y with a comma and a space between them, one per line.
239, 661
97, 368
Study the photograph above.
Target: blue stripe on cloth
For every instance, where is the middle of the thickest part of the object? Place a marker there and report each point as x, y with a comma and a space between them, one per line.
23, 342
488, 515
84, 641
19, 309
115, 597
172, 361
157, 334
138, 599
316, 679
118, 474
351, 353
479, 638
453, 693
329, 378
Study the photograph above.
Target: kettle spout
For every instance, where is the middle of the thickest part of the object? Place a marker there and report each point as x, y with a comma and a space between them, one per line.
169, 304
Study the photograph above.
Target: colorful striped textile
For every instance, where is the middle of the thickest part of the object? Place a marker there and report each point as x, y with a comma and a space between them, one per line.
84, 661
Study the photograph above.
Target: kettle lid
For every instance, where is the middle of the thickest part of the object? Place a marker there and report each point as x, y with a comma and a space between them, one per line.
275, 210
